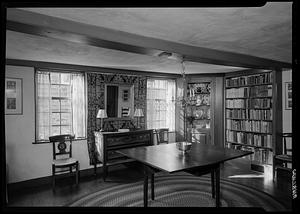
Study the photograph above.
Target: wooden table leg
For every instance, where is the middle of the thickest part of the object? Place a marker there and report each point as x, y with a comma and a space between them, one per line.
145, 190
217, 174
213, 183
148, 171
152, 186
104, 172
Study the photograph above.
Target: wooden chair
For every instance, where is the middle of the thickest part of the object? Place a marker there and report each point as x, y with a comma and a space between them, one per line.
62, 157
162, 135
281, 160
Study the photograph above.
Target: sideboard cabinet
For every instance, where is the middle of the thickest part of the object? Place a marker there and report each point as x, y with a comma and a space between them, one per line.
107, 143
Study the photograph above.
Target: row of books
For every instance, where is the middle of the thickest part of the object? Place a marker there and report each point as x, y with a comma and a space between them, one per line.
249, 103
261, 156
254, 91
249, 125
249, 114
250, 80
249, 138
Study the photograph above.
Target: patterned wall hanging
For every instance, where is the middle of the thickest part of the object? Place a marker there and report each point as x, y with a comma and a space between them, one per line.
96, 95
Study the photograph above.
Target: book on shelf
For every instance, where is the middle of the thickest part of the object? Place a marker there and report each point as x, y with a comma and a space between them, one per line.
250, 114
249, 103
252, 139
249, 125
264, 78
259, 156
254, 91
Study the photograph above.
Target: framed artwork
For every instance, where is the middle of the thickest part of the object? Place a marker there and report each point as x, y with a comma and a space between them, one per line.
13, 96
288, 95
125, 95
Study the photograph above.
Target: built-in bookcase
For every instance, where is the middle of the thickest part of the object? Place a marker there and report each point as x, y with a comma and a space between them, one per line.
249, 115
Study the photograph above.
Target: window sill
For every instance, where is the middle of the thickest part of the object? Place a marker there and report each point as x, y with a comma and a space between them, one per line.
44, 142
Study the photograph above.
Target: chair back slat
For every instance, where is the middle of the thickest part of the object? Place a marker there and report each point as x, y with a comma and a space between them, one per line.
62, 145
284, 137
161, 134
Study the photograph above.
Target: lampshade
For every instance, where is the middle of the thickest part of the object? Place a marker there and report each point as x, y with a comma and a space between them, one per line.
101, 113
138, 113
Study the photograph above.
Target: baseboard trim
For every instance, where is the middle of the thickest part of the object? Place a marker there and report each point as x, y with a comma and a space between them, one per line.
46, 180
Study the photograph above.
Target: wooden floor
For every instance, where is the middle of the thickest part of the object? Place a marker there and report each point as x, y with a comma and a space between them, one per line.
66, 191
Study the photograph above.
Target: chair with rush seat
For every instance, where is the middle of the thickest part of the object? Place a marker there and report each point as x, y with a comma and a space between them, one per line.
282, 159
62, 157
162, 135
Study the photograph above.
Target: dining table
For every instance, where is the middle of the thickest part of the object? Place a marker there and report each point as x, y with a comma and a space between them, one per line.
168, 158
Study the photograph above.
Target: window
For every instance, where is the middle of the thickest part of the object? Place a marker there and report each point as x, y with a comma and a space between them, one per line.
160, 104
60, 104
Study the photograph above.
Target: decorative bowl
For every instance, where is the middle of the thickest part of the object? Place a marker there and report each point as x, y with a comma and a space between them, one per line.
184, 146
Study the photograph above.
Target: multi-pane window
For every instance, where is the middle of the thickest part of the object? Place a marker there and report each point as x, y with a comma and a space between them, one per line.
160, 104
60, 104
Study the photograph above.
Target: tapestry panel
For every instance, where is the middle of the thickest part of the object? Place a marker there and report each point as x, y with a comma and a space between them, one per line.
96, 95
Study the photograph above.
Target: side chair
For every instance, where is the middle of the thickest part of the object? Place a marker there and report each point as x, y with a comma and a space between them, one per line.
162, 135
63, 162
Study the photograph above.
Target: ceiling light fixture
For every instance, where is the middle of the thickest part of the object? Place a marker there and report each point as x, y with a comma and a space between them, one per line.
181, 100
165, 54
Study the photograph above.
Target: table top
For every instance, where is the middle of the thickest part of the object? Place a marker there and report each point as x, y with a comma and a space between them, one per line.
167, 157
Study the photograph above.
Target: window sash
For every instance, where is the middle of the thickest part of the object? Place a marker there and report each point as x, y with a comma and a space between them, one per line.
161, 104
61, 112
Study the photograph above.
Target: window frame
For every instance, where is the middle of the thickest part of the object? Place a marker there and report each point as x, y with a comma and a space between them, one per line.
56, 70
175, 98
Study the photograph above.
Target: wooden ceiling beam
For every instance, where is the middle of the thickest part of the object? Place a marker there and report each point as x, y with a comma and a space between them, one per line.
52, 27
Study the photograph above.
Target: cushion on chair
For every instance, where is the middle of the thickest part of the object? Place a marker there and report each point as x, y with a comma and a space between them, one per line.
64, 161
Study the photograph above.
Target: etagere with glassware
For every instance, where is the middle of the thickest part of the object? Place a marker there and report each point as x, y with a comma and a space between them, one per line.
199, 116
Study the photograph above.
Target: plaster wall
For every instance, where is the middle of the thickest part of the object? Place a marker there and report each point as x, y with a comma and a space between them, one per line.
24, 159
286, 114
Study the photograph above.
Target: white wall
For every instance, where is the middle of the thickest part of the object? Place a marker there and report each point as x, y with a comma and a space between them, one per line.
286, 114
26, 160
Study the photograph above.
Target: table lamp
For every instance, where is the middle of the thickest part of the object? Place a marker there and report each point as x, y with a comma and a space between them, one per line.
101, 114
138, 113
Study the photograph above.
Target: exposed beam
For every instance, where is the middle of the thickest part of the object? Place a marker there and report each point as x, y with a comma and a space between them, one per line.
84, 68
52, 27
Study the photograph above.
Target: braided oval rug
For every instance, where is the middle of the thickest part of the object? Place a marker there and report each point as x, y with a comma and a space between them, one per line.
180, 191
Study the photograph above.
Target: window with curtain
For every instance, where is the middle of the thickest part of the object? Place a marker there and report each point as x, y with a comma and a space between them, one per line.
60, 104
160, 104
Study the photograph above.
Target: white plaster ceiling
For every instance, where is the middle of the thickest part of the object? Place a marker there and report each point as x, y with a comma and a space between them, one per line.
29, 47
259, 31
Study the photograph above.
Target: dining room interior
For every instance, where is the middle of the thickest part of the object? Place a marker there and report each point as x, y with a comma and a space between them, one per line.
195, 101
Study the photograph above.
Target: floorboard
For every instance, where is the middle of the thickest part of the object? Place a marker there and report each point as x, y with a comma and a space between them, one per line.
66, 190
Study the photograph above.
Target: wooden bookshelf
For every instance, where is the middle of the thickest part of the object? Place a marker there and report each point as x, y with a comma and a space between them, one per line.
250, 115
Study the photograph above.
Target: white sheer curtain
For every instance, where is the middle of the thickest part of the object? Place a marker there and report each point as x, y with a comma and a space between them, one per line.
43, 105
59, 111
170, 101
78, 104
161, 104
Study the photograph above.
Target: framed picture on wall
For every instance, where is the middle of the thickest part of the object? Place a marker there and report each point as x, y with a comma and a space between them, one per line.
288, 95
125, 95
13, 96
